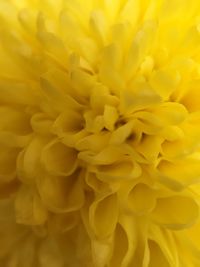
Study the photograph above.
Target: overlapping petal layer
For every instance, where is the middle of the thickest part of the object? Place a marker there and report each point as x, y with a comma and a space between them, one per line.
99, 133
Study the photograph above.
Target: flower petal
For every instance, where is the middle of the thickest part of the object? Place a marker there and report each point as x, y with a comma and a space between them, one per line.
29, 207
61, 194
182, 172
168, 213
136, 201
164, 82
103, 216
59, 159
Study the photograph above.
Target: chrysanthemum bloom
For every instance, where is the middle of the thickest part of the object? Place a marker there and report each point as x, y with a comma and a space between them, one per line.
99, 133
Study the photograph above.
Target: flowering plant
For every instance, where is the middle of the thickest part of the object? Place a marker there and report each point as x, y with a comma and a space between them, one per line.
99, 133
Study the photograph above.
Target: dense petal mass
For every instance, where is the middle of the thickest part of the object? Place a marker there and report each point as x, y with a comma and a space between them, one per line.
99, 133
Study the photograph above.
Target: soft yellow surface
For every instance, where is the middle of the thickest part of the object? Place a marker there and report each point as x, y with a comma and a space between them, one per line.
99, 133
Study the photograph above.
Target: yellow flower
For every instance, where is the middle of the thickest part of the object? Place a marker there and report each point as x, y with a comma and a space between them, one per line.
99, 133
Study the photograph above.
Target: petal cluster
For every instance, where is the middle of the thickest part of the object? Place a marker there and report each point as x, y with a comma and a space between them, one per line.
99, 133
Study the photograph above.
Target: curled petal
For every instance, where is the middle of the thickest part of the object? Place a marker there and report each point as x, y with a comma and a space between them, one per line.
136, 201
110, 117
150, 147
59, 159
41, 123
28, 162
101, 96
103, 216
97, 185
94, 142
61, 194
119, 171
122, 133
69, 127
94, 123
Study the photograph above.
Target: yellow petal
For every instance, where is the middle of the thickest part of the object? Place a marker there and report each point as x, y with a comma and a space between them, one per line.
150, 147
104, 215
58, 100
165, 82
179, 174
53, 45
101, 96
156, 255
69, 127
8, 157
49, 254
191, 98
61, 194
120, 245
94, 142
171, 113
41, 123
168, 213
138, 95
98, 26
15, 92
165, 240
101, 252
110, 117
59, 159
119, 171
28, 162
112, 56
29, 207
96, 184
82, 82
61, 223
94, 122
122, 133
136, 201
